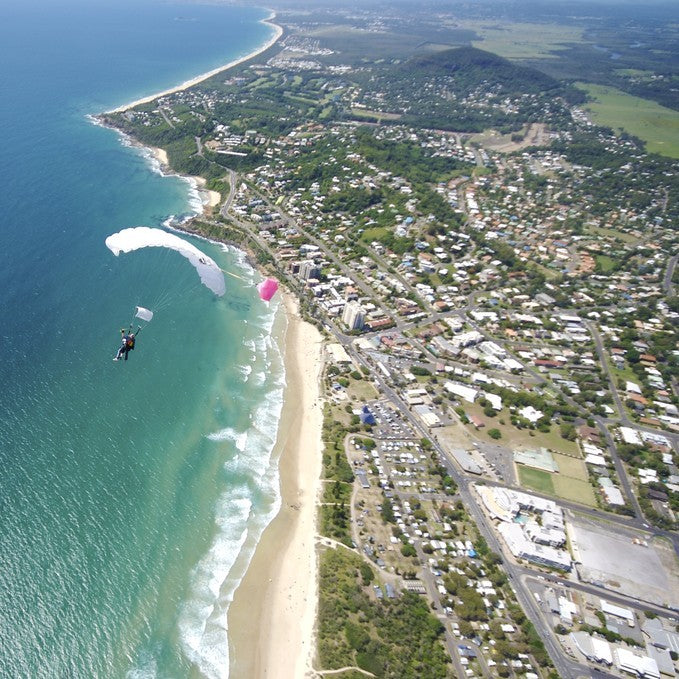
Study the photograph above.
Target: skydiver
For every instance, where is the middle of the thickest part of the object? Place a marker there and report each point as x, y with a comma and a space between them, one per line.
128, 342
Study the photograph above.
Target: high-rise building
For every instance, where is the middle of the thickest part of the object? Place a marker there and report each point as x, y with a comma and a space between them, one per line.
309, 269
353, 315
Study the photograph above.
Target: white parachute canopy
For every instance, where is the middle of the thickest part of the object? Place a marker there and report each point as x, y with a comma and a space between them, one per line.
138, 237
144, 314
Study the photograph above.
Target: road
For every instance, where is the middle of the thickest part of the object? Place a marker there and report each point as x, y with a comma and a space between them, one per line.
565, 667
599, 346
226, 205
165, 118
669, 274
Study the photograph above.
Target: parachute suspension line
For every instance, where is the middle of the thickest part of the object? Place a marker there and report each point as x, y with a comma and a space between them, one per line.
228, 273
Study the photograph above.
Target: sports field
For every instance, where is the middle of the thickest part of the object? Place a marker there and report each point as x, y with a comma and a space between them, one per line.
571, 483
536, 479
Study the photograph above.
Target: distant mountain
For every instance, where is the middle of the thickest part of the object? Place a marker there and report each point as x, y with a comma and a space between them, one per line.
471, 67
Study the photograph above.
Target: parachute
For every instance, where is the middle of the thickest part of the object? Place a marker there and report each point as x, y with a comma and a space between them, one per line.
127, 240
144, 314
267, 288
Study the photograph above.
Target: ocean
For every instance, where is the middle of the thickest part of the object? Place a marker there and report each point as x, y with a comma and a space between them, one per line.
127, 490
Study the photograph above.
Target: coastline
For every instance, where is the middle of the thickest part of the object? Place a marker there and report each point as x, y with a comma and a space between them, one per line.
271, 618
209, 199
268, 21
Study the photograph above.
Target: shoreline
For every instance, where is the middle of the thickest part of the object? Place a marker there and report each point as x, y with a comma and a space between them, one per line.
209, 199
272, 615
268, 21
271, 618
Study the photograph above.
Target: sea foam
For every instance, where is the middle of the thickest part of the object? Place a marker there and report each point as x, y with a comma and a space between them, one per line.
243, 511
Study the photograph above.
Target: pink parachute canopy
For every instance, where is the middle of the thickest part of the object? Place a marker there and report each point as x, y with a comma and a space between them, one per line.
267, 288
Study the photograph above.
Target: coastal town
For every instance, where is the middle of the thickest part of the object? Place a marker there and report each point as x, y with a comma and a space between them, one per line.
498, 299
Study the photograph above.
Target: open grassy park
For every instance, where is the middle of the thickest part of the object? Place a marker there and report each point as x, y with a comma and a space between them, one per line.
611, 233
655, 125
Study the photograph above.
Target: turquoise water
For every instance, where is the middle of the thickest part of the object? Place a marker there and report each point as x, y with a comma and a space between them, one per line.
126, 489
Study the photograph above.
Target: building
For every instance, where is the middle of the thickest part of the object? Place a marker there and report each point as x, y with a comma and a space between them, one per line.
337, 353
427, 415
612, 494
353, 316
639, 665
618, 611
594, 649
466, 393
466, 461
363, 479
521, 547
309, 269
366, 416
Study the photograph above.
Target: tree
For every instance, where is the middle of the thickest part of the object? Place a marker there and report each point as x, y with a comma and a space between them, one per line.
408, 550
495, 434
567, 431
367, 573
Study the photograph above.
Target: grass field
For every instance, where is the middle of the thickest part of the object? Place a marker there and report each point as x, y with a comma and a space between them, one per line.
655, 125
536, 479
612, 233
571, 467
605, 262
549, 274
635, 73
380, 115
574, 489
374, 233
523, 40
356, 43
571, 483
362, 389
521, 438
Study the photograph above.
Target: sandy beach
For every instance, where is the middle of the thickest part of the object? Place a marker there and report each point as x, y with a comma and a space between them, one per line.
278, 31
209, 198
271, 620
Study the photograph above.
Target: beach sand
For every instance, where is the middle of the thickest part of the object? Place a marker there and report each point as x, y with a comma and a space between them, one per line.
278, 31
210, 199
271, 620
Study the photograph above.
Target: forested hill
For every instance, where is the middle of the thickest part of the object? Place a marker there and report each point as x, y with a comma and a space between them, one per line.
466, 89
471, 66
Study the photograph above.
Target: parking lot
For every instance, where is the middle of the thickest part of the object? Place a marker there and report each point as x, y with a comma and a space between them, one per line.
390, 423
